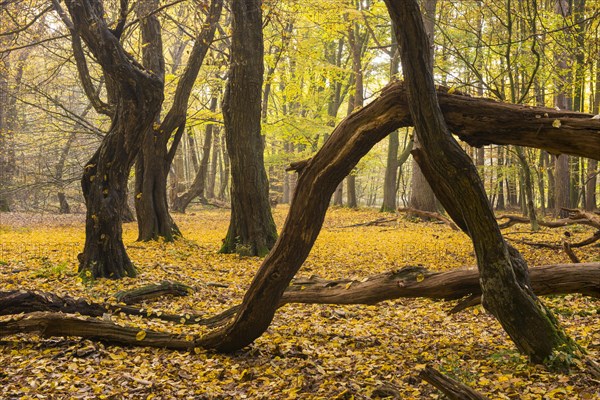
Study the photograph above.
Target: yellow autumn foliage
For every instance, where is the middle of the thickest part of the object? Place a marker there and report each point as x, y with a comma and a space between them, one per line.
309, 351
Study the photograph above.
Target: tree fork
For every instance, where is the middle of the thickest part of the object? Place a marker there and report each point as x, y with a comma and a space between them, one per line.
503, 272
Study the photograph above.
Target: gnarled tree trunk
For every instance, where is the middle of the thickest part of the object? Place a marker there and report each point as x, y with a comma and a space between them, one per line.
139, 95
503, 272
155, 159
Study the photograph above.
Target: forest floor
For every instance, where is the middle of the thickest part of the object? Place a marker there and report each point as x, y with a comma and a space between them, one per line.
309, 351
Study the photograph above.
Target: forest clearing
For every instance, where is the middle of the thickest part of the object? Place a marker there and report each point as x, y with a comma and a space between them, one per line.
379, 194
310, 351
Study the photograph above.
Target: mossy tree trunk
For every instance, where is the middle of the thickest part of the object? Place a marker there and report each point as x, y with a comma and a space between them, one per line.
503, 272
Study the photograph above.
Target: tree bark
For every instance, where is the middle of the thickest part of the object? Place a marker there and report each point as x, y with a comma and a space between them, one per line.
251, 228
140, 94
421, 195
590, 190
390, 181
155, 159
561, 185
212, 172
391, 174
503, 275
529, 199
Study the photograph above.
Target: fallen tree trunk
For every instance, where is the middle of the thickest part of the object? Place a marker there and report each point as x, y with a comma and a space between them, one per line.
47, 310
480, 121
452, 388
419, 282
26, 301
576, 217
429, 215
49, 324
151, 292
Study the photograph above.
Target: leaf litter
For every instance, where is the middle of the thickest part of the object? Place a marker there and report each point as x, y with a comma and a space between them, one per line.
309, 351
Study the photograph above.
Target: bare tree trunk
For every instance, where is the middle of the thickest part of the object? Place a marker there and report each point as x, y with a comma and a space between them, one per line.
62, 199
224, 170
422, 197
251, 228
561, 185
501, 204
590, 192
390, 186
528, 189
212, 172
8, 123
540, 181
338, 199
155, 159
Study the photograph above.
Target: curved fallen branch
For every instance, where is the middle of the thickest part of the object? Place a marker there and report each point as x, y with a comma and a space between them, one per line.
429, 215
585, 242
576, 217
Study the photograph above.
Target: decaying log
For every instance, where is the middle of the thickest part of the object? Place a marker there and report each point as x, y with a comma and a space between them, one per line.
153, 291
49, 324
453, 389
576, 217
52, 314
429, 215
585, 242
419, 282
24, 301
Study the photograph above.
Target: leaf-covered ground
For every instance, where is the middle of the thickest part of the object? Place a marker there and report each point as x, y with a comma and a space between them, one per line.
310, 351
